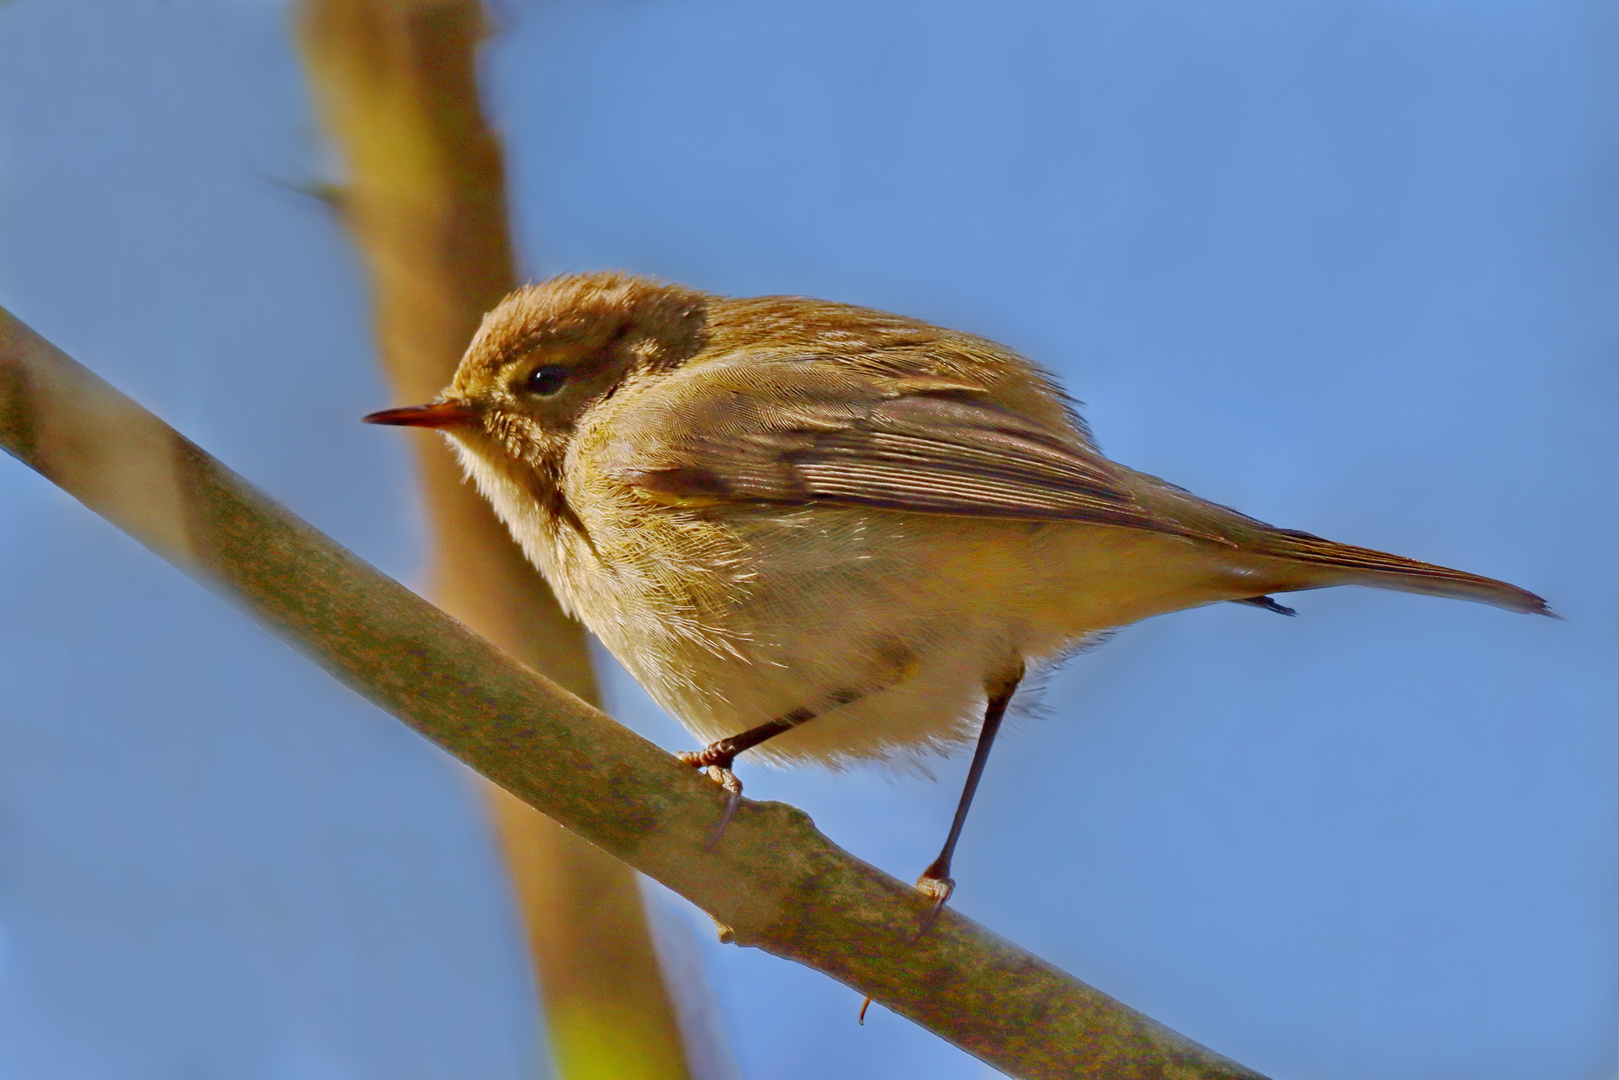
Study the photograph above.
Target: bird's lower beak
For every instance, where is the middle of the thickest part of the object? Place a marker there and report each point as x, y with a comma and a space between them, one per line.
438, 414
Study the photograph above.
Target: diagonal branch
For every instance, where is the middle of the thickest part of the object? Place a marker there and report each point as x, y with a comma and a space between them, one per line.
775, 881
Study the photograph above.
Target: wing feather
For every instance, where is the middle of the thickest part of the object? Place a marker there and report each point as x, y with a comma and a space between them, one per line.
820, 430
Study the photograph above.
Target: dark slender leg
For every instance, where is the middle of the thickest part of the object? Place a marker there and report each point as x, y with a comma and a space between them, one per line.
935, 880
718, 758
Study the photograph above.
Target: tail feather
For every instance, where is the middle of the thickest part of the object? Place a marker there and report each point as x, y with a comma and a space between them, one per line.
1304, 561
1363, 566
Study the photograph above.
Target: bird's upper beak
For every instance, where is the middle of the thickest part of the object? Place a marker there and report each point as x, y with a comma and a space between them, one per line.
438, 414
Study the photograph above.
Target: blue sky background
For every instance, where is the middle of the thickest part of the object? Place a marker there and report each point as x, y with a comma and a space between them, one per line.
1348, 265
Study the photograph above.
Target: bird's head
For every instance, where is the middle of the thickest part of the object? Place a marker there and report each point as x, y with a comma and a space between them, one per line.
547, 355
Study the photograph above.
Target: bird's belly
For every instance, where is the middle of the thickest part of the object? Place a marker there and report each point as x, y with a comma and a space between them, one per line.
887, 626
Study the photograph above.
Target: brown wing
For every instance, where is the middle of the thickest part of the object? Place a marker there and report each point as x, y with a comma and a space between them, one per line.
820, 430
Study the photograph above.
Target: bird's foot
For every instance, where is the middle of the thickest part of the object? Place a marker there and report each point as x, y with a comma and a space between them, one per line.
717, 760
937, 885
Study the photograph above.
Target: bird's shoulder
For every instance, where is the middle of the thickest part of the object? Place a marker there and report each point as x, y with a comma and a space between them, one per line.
781, 361
845, 345
853, 407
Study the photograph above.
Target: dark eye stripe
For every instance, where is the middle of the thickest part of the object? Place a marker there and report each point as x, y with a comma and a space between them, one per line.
546, 381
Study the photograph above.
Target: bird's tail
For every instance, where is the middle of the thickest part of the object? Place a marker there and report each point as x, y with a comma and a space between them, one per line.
1289, 561
1321, 563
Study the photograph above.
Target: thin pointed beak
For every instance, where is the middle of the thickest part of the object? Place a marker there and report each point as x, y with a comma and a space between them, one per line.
438, 414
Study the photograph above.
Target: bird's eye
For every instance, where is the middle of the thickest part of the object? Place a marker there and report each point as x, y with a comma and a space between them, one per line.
546, 381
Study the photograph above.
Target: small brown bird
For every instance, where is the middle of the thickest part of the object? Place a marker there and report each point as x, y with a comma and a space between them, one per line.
826, 533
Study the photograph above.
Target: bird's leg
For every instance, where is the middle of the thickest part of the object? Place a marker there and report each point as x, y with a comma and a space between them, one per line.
935, 881
718, 758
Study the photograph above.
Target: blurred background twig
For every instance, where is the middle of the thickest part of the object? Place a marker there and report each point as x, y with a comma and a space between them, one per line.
423, 196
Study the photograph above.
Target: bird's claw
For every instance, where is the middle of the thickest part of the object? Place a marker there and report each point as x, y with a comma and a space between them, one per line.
726, 779
718, 768
939, 889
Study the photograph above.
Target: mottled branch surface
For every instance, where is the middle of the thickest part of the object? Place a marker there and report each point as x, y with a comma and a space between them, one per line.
423, 197
776, 881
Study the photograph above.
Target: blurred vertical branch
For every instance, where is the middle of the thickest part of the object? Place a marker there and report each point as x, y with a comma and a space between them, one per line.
395, 83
